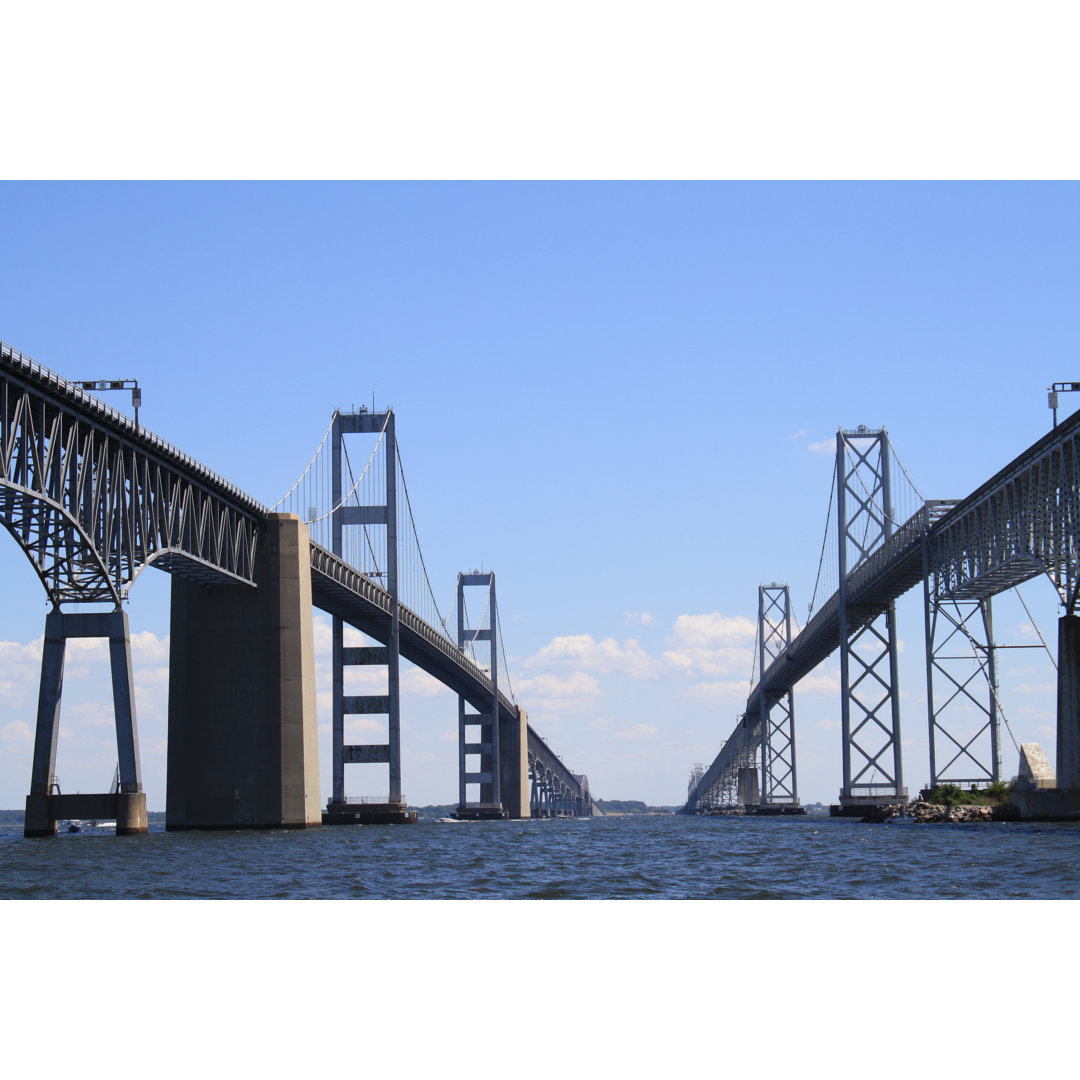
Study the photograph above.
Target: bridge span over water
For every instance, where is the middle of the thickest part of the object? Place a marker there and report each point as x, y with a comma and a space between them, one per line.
1022, 523
93, 499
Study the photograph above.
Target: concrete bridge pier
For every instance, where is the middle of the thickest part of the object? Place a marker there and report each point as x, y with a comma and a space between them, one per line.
514, 766
748, 792
44, 806
243, 746
1068, 711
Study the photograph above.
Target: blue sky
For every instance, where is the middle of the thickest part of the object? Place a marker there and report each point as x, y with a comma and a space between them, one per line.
620, 396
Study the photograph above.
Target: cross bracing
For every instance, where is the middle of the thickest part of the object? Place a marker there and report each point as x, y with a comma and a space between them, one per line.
93, 500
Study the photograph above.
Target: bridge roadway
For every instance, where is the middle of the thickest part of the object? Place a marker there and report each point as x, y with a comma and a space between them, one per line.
341, 590
93, 499
1012, 528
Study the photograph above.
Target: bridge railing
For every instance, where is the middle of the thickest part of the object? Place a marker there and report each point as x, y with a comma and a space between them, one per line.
146, 439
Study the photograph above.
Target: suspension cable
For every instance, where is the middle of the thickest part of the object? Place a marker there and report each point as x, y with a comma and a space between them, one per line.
314, 457
502, 647
825, 538
345, 498
416, 537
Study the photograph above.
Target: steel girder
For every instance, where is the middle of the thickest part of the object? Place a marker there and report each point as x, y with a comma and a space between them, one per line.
1022, 522
778, 776
92, 500
718, 789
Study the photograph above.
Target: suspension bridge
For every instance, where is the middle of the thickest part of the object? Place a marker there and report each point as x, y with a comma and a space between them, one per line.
93, 499
882, 539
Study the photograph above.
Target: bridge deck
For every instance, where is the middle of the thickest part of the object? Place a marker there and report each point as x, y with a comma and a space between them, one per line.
1020, 523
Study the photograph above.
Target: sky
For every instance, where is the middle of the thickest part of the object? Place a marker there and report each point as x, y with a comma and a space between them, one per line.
622, 397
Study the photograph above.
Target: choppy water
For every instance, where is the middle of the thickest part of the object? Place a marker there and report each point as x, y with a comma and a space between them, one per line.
661, 857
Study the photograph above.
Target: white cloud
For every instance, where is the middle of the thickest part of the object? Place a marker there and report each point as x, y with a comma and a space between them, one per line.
356, 727
711, 645
718, 693
20, 672
827, 447
823, 682
16, 733
148, 648
637, 732
416, 681
552, 690
582, 651
1045, 688
640, 618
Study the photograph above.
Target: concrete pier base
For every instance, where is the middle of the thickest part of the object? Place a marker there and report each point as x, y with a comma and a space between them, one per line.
368, 813
481, 812
860, 805
1047, 804
127, 809
1032, 796
243, 746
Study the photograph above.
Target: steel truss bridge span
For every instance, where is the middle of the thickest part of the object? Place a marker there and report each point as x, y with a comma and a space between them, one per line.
93, 499
1021, 523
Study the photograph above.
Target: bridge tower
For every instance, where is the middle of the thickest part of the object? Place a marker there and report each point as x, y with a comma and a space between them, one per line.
489, 774
779, 787
869, 680
392, 809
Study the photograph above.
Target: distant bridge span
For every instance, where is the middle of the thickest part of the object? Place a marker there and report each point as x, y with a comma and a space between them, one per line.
1021, 523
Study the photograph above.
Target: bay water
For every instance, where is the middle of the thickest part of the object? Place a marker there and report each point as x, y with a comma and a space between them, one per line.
611, 858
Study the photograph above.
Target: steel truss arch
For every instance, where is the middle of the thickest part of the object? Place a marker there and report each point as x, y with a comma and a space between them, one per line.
93, 501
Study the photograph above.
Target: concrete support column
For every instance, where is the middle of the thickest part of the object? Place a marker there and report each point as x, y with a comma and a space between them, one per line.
748, 792
44, 806
1068, 703
514, 765
243, 743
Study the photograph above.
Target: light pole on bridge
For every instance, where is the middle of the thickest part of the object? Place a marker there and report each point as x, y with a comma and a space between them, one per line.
116, 384
1059, 388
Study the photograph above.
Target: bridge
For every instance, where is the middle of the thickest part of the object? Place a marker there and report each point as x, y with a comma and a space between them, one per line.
93, 499
1022, 523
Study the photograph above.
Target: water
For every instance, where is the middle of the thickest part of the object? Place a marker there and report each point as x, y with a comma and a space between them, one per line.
633, 858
